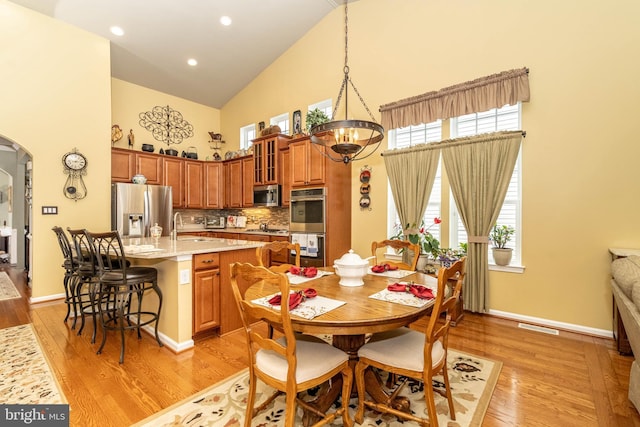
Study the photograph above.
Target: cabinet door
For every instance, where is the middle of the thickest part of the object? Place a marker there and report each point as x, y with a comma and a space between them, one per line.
298, 163
173, 175
235, 184
285, 176
258, 163
214, 188
193, 184
247, 182
270, 161
206, 300
122, 165
150, 165
227, 184
315, 165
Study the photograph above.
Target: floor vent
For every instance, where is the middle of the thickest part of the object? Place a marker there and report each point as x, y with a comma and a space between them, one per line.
539, 329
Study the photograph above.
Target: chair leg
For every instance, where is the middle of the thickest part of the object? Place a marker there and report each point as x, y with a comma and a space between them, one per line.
156, 288
290, 409
445, 376
429, 397
251, 399
67, 294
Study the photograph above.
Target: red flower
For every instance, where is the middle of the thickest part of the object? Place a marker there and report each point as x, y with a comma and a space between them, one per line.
437, 220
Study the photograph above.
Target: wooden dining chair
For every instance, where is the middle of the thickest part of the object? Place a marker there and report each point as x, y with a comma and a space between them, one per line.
291, 363
398, 245
277, 246
414, 354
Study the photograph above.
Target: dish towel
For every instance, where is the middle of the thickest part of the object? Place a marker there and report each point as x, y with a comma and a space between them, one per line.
300, 239
312, 245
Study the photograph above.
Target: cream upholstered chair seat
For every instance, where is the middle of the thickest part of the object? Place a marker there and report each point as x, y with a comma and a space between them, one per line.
401, 348
315, 358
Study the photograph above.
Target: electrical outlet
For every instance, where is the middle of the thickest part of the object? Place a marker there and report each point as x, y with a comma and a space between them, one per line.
185, 276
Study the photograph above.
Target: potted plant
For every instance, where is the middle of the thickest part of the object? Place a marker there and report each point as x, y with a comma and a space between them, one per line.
501, 235
429, 245
315, 117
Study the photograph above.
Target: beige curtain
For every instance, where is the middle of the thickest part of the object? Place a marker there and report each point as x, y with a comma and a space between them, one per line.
479, 170
494, 91
411, 173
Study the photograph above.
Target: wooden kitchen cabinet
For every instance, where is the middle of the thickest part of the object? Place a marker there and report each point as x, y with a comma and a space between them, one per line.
233, 183
247, 182
149, 165
308, 165
285, 176
173, 176
214, 185
266, 158
194, 177
206, 293
122, 165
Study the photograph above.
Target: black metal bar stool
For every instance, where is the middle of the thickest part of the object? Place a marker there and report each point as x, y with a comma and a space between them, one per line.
85, 281
119, 282
69, 267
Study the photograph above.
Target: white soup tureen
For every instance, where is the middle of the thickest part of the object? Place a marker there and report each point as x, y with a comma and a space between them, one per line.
351, 269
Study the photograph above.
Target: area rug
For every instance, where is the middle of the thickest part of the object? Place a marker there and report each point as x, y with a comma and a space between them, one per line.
473, 380
7, 288
25, 374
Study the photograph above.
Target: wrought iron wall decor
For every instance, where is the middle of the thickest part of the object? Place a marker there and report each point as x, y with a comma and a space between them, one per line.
166, 125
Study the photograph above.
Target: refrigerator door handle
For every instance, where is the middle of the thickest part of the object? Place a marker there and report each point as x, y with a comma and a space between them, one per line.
147, 212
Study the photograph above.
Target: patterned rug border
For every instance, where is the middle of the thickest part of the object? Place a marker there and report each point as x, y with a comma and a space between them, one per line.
476, 421
56, 383
8, 289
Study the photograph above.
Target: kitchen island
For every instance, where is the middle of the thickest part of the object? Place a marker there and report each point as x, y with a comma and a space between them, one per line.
174, 260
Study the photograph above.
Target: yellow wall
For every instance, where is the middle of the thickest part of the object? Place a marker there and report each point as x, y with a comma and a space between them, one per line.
55, 86
579, 171
129, 100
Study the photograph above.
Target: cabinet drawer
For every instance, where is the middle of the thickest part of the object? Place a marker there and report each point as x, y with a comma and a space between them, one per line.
206, 261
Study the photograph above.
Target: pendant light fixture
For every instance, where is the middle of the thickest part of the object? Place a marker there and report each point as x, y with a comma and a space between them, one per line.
346, 140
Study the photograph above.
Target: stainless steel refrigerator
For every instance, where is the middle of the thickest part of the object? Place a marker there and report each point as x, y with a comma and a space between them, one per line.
137, 207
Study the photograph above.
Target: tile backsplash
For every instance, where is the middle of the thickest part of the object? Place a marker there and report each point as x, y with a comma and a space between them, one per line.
275, 217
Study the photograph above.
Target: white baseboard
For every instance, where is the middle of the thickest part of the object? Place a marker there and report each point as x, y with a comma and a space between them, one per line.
553, 324
175, 346
46, 298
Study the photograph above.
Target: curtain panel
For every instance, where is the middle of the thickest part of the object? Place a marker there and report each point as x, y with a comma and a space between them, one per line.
482, 94
411, 173
479, 170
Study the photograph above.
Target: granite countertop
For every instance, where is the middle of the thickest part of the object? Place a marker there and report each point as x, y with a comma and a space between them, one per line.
191, 228
164, 247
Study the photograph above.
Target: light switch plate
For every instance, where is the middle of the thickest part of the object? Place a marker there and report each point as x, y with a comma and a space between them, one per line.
185, 276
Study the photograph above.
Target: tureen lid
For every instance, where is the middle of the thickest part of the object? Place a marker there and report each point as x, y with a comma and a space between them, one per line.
351, 258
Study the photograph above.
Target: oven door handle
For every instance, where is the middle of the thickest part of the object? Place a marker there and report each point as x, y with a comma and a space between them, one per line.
310, 199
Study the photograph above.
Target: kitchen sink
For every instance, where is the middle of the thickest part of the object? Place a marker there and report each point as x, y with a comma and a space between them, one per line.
194, 239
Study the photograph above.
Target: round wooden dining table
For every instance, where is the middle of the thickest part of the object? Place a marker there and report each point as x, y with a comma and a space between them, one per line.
350, 323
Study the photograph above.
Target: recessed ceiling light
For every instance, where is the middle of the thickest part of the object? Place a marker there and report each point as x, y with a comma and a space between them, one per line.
192, 62
117, 31
225, 20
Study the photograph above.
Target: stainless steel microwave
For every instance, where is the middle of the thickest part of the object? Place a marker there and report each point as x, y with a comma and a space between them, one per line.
266, 195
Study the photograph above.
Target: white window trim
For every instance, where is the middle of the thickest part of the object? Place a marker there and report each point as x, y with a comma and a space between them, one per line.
281, 118
245, 138
325, 105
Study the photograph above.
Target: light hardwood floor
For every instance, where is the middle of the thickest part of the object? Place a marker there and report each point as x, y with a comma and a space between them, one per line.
546, 380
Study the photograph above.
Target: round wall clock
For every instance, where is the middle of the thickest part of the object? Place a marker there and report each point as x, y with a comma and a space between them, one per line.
75, 166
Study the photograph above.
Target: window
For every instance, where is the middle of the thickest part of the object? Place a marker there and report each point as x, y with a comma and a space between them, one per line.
505, 118
324, 106
247, 134
282, 121
407, 137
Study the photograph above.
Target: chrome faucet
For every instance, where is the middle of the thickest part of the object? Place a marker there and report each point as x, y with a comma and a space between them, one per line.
174, 232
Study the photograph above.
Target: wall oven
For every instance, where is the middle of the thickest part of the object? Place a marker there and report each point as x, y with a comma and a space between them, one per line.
307, 218
307, 210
